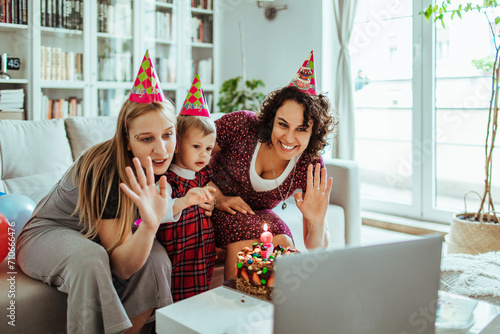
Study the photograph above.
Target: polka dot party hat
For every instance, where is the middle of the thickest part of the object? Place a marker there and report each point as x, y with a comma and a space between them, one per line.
304, 79
147, 87
195, 103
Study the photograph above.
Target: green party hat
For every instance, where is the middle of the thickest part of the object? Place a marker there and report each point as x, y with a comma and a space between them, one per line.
195, 103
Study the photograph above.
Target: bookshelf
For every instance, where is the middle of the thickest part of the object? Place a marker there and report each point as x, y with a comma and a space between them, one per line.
83, 55
14, 42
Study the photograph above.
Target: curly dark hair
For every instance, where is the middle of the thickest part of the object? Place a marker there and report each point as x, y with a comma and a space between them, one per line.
316, 108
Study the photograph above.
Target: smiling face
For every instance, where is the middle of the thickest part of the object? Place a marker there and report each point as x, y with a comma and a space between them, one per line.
152, 135
194, 149
289, 137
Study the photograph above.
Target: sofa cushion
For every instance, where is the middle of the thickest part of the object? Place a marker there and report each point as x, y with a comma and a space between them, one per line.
85, 132
33, 155
38, 307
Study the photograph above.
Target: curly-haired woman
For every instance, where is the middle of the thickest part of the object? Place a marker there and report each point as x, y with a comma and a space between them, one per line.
260, 160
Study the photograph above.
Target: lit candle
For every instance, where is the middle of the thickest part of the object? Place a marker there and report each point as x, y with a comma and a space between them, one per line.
266, 238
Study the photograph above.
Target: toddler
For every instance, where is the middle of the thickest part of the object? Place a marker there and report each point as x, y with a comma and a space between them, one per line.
190, 240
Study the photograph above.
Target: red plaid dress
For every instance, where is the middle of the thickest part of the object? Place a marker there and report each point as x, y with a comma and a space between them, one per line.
190, 241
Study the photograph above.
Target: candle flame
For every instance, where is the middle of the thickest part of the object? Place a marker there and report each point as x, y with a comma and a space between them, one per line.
265, 227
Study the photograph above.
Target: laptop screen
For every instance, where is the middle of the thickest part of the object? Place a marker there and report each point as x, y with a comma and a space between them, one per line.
389, 288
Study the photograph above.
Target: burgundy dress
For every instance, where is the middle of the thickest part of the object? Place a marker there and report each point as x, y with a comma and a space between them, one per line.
189, 241
237, 140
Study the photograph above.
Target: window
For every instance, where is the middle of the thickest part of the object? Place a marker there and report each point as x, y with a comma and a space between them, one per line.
420, 110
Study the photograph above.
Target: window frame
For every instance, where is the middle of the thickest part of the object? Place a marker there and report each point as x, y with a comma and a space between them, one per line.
423, 191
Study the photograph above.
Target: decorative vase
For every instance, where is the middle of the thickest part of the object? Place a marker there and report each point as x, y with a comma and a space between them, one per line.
472, 237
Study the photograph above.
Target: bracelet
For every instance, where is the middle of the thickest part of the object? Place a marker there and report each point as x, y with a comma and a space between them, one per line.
215, 202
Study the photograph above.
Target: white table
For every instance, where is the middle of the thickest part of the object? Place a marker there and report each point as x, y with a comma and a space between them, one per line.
487, 319
221, 310
225, 310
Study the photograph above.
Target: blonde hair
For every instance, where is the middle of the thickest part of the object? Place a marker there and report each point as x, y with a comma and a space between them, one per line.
103, 163
188, 122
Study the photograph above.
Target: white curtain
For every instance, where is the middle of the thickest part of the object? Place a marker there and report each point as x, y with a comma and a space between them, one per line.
345, 11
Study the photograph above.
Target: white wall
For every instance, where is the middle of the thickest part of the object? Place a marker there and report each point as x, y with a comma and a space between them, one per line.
274, 49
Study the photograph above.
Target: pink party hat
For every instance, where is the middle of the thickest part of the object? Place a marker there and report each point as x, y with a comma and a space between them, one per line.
147, 87
195, 103
304, 79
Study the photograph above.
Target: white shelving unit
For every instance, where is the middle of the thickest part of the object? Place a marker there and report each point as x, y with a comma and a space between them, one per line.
14, 41
112, 51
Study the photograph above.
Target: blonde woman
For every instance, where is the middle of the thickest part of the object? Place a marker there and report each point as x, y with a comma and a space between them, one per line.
81, 237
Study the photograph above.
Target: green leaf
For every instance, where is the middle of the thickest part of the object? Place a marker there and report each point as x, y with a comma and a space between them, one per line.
234, 95
497, 19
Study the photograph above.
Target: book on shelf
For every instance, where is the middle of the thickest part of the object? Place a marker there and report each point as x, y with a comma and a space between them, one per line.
165, 67
2, 11
101, 16
57, 64
60, 108
207, 25
48, 108
210, 101
115, 18
24, 12
53, 13
164, 25
117, 67
15, 115
65, 14
14, 11
12, 99
201, 29
204, 68
79, 66
201, 4
5, 92
8, 11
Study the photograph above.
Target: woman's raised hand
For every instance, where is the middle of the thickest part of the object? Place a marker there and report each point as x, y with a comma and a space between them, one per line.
314, 203
152, 204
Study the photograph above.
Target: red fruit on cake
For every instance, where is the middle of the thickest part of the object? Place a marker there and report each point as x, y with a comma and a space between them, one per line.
255, 274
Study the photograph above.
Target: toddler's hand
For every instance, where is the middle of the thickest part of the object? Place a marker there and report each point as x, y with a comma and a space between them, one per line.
198, 196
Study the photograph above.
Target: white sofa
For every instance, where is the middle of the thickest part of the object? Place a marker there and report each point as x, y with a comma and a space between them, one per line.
35, 154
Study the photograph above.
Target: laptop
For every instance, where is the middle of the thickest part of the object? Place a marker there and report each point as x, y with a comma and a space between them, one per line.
381, 289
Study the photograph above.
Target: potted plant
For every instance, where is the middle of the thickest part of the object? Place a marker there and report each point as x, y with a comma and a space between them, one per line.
235, 95
477, 232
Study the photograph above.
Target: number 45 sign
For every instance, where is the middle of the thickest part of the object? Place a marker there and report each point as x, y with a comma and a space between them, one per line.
12, 64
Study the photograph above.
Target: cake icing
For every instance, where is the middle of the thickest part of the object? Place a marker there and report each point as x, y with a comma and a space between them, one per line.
255, 269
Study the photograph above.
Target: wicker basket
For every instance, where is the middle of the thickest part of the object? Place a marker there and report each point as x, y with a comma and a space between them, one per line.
471, 237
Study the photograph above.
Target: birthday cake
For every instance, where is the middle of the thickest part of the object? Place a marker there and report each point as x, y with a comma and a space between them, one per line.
255, 269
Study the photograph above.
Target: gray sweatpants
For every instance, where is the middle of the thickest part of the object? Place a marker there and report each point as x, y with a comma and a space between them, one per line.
98, 301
